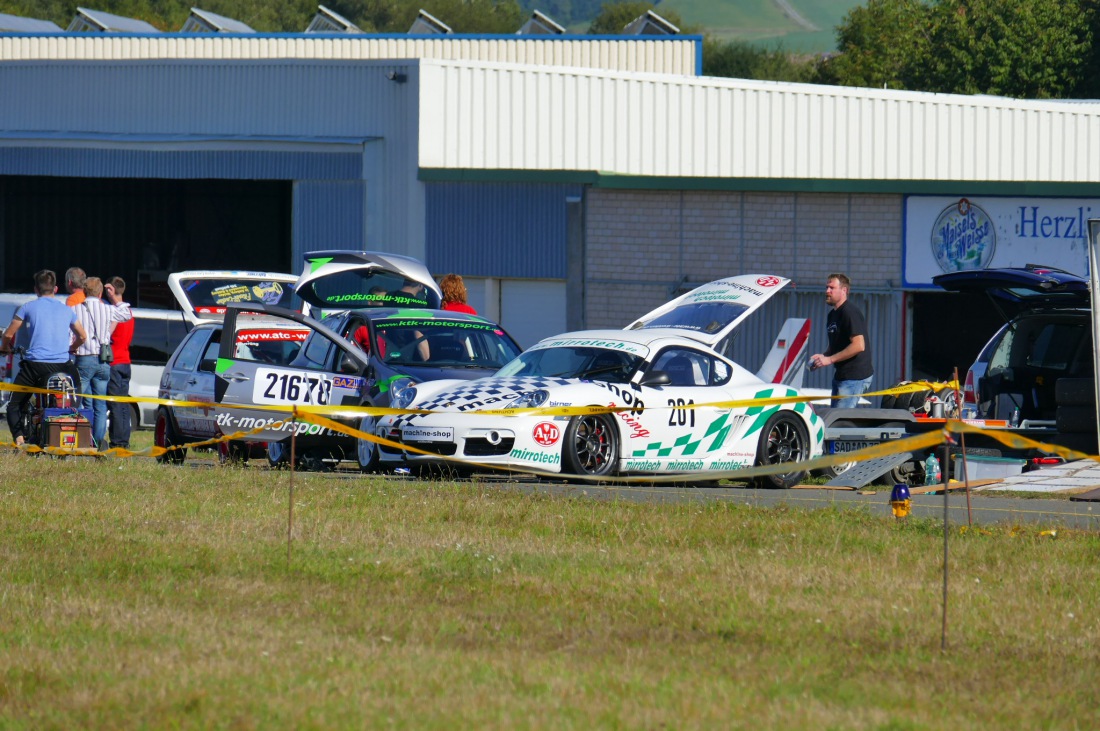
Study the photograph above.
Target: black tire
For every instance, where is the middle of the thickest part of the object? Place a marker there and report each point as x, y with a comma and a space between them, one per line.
366, 451
165, 435
1075, 419
901, 401
33, 430
888, 401
234, 452
784, 438
839, 469
591, 446
1075, 392
1082, 442
903, 473
318, 459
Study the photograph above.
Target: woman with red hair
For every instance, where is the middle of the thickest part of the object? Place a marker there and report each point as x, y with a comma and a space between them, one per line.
454, 294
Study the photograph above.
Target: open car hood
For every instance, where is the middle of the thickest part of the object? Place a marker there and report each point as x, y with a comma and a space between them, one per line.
710, 313
349, 280
204, 294
1033, 286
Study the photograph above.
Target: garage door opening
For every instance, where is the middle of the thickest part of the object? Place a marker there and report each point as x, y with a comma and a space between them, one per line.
141, 229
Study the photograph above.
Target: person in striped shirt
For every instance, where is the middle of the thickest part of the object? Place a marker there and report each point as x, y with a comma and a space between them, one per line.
98, 319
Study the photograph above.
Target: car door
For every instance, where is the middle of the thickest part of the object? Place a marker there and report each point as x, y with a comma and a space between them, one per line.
180, 380
676, 429
313, 366
200, 387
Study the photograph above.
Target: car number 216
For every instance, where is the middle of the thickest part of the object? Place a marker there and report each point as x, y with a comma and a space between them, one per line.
290, 387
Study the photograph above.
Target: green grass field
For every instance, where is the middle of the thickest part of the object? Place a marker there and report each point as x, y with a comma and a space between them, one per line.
137, 595
764, 21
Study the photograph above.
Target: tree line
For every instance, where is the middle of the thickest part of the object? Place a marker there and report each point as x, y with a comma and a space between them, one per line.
1034, 49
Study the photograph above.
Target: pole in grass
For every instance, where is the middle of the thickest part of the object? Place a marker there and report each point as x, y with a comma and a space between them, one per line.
943, 632
962, 446
290, 506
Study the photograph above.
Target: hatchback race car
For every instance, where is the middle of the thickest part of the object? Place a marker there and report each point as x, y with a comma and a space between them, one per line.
392, 337
662, 375
188, 378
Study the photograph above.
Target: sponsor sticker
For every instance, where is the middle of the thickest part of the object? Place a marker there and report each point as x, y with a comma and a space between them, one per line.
428, 434
546, 434
231, 293
268, 292
528, 455
767, 281
269, 335
352, 382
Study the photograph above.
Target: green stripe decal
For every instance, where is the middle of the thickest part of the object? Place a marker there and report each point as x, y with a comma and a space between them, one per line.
222, 365
315, 264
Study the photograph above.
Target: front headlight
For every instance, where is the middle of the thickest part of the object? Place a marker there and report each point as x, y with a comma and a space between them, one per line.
531, 400
402, 393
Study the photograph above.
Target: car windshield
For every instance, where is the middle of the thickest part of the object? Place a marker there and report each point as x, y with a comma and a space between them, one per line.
209, 296
705, 317
413, 341
587, 363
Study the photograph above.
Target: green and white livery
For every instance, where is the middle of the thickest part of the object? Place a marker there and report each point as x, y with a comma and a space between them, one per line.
680, 406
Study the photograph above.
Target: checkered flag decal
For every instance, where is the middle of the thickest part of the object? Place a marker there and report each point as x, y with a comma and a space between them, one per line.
500, 391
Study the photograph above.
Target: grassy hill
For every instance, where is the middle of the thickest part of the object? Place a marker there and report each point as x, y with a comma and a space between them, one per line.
798, 25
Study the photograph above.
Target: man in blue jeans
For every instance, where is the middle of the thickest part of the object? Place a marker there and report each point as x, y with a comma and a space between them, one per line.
55, 333
849, 348
98, 319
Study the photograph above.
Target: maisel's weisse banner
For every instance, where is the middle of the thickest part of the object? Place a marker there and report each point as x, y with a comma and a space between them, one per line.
948, 234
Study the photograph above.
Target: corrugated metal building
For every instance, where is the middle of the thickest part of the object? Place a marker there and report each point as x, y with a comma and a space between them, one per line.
567, 196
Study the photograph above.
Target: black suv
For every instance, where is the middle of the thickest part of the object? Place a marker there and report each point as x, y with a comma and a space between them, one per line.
1046, 338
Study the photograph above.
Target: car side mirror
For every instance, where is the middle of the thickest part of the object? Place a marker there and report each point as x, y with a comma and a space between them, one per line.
207, 365
348, 365
656, 378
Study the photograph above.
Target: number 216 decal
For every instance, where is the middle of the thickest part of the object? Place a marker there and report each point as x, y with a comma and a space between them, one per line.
290, 387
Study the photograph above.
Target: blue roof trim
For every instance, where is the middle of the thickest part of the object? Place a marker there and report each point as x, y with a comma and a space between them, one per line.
180, 164
129, 137
698, 39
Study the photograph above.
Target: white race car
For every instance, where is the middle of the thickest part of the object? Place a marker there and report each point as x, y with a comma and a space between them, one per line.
665, 370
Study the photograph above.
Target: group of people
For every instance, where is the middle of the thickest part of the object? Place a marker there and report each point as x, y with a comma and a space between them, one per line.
87, 337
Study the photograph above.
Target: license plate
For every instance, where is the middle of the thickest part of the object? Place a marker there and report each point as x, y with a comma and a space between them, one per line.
848, 445
428, 434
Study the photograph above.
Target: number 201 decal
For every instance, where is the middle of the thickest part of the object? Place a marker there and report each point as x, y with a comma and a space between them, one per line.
290, 387
679, 414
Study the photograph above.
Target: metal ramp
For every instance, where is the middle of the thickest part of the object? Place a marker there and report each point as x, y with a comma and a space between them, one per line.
866, 472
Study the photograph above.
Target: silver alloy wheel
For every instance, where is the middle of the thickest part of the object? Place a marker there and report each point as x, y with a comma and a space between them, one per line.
366, 451
277, 454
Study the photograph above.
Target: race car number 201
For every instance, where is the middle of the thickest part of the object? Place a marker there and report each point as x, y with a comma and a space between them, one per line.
288, 387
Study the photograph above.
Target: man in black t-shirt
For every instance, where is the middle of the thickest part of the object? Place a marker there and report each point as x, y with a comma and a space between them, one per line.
849, 348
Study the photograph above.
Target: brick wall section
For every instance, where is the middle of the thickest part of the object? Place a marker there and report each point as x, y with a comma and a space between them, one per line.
641, 245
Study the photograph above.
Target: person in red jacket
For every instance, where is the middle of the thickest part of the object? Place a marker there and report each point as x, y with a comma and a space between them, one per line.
454, 294
119, 383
